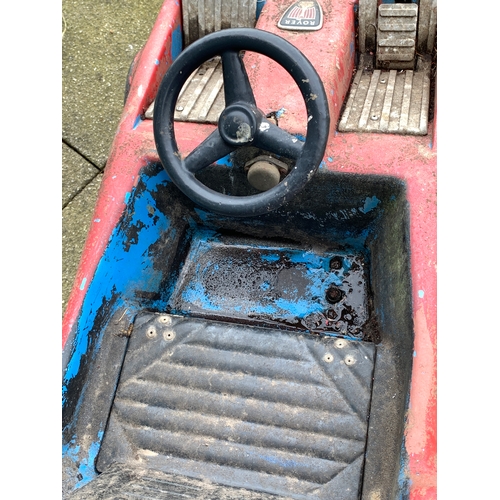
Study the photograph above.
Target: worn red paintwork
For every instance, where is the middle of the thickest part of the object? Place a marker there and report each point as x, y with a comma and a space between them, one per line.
413, 159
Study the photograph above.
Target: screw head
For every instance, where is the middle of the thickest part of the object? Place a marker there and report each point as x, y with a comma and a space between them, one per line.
328, 357
334, 294
349, 360
336, 263
340, 343
166, 320
169, 335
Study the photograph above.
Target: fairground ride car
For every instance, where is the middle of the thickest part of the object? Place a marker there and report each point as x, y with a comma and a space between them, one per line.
254, 315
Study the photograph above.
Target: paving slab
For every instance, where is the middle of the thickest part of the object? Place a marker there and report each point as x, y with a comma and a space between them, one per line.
77, 173
99, 43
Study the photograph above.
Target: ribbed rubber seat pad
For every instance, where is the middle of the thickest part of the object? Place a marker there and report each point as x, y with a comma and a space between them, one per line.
256, 408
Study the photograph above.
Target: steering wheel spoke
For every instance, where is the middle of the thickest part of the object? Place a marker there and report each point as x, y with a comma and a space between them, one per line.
276, 140
213, 148
236, 84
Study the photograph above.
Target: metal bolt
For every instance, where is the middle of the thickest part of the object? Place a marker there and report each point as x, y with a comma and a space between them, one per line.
151, 333
336, 263
383, 80
375, 117
179, 108
334, 294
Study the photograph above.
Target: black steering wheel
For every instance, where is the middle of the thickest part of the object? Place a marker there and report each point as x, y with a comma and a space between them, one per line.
241, 123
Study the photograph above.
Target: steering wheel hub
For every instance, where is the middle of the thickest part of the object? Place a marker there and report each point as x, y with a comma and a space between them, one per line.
237, 124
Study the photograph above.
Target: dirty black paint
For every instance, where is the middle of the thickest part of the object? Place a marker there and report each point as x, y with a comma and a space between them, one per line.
240, 279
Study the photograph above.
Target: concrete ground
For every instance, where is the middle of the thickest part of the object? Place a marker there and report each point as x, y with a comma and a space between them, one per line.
99, 41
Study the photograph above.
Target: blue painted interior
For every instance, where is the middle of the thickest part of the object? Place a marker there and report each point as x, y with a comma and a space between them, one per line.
130, 264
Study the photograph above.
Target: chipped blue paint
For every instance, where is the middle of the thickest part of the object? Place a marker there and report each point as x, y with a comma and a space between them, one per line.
157, 62
204, 216
346, 265
97, 220
270, 257
370, 204
82, 284
136, 269
280, 112
137, 122
301, 137
309, 258
269, 309
176, 46
421, 294
330, 159
414, 354
198, 295
127, 198
71, 450
85, 465
227, 161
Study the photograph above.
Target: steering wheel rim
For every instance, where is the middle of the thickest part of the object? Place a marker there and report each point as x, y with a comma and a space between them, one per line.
241, 107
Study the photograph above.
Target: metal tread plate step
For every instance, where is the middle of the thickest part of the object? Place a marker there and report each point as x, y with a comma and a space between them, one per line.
248, 407
388, 101
201, 98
